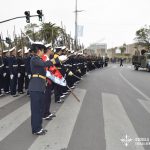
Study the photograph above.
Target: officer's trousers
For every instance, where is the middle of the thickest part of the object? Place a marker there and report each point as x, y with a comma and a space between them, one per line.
36, 110
57, 92
20, 83
47, 101
27, 80
1, 82
13, 85
6, 82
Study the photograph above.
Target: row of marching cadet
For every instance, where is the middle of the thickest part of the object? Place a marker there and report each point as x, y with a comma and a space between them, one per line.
15, 71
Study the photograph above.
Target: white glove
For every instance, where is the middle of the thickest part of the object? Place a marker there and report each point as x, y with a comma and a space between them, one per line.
79, 70
19, 74
29, 76
26, 74
63, 58
70, 73
4, 74
11, 76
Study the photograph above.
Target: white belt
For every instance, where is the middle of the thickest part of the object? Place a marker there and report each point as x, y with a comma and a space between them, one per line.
1, 65
15, 65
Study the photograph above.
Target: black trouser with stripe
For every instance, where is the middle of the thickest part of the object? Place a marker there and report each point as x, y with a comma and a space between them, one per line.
36, 110
47, 101
1, 82
13, 85
57, 92
21, 82
6, 82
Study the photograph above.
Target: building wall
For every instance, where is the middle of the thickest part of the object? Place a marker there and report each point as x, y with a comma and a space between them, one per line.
130, 50
98, 49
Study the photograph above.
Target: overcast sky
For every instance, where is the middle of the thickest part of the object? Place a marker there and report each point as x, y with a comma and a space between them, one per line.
110, 21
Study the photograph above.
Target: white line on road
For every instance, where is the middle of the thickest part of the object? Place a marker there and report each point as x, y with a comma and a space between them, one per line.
60, 129
114, 66
129, 67
145, 104
117, 124
136, 89
8, 99
9, 123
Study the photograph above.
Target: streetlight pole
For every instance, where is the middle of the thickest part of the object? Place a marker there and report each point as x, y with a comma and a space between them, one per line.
76, 25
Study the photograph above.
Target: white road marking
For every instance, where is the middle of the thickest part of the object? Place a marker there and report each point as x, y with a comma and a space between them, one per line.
60, 129
12, 121
8, 99
129, 67
114, 66
117, 124
136, 89
145, 104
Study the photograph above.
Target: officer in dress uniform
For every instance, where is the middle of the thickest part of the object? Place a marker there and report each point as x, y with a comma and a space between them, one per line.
28, 56
37, 87
21, 71
13, 68
47, 115
1, 73
6, 72
58, 88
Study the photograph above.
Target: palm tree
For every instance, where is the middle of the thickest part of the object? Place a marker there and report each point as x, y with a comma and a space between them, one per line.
30, 31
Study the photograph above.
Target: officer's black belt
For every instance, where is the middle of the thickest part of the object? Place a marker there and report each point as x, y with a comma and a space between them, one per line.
38, 76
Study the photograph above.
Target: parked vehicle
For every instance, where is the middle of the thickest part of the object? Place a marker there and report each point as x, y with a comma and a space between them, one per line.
141, 61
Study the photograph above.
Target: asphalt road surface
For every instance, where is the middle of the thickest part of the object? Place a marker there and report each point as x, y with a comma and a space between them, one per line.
114, 114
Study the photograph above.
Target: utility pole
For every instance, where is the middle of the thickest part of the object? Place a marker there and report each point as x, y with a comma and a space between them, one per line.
76, 24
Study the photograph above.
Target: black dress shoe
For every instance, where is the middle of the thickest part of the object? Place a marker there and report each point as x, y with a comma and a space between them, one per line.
21, 92
60, 101
1, 95
47, 118
52, 115
15, 95
44, 130
41, 132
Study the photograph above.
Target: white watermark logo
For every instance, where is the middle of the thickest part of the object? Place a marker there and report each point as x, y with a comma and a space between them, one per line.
126, 140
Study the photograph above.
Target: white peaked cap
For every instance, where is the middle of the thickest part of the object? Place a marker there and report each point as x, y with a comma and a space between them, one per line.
26, 50
72, 51
5, 51
48, 45
63, 47
12, 49
19, 50
38, 42
62, 57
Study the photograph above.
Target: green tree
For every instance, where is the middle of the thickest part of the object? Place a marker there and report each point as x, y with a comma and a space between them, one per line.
123, 48
49, 32
143, 37
31, 31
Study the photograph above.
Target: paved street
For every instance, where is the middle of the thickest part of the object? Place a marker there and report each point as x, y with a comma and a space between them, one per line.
113, 113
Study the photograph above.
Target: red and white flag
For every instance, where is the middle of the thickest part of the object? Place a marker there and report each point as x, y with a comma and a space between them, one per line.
54, 74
